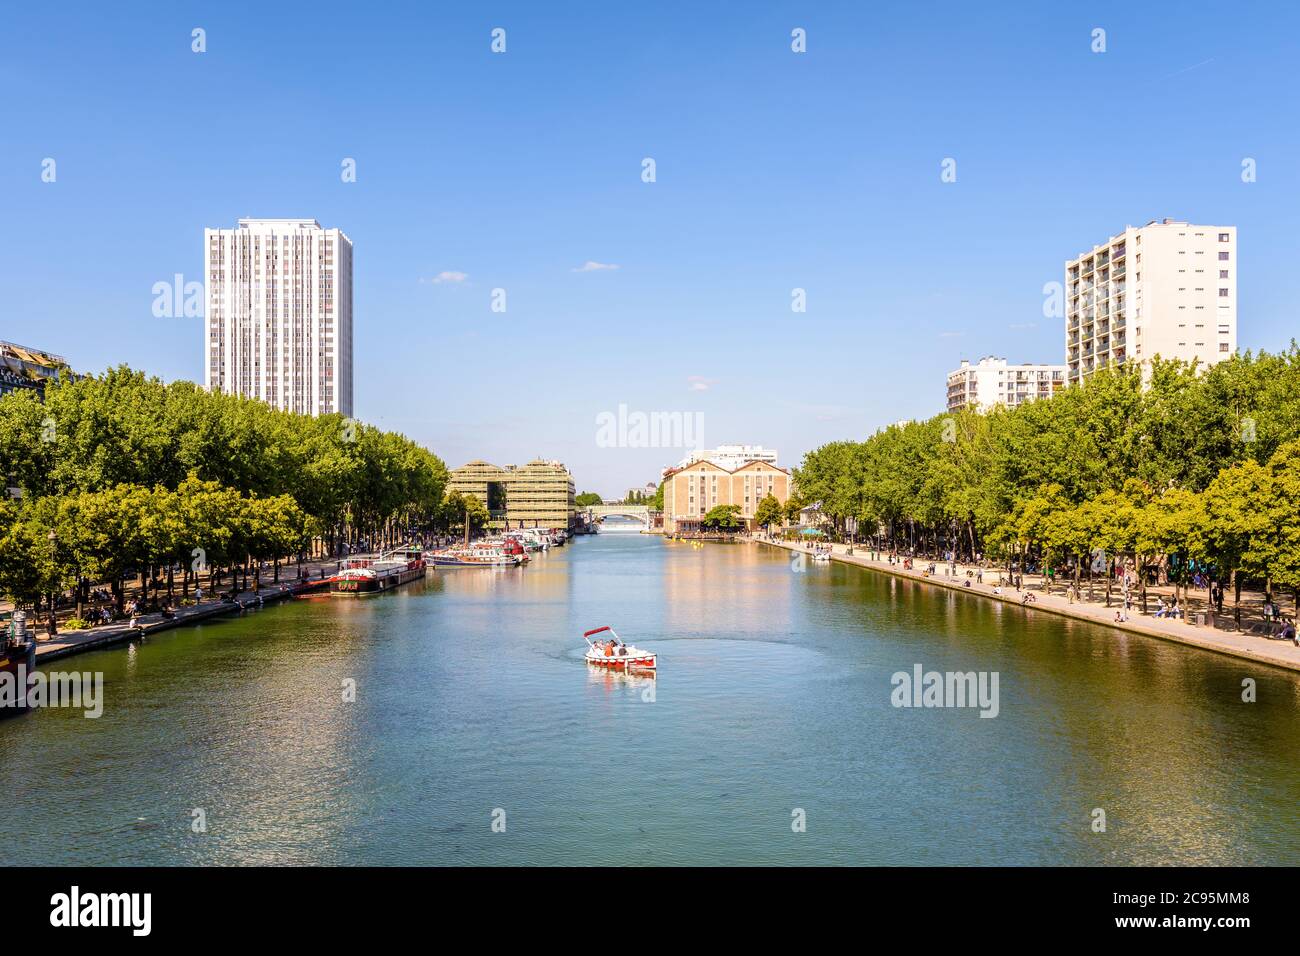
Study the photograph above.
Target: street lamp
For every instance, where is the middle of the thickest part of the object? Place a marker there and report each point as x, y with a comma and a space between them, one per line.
53, 623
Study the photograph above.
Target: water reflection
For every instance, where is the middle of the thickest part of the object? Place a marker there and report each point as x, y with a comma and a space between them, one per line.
471, 693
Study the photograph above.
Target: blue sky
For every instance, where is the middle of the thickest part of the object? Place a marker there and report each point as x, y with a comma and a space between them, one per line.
775, 170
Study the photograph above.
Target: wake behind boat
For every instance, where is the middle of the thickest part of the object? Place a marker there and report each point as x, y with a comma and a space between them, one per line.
612, 652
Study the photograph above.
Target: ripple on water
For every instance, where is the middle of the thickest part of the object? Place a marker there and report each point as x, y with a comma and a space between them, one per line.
773, 695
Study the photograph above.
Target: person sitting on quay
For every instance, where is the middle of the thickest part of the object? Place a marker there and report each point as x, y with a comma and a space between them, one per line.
1288, 633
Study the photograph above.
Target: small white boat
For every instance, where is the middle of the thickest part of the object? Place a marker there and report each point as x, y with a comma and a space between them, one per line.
822, 556
612, 652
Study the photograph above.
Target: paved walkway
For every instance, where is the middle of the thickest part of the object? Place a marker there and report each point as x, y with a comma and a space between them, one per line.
68, 642
1252, 647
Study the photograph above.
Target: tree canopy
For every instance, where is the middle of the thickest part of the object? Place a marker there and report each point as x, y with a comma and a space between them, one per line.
127, 471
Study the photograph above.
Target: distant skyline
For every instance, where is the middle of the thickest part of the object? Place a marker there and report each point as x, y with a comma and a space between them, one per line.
774, 171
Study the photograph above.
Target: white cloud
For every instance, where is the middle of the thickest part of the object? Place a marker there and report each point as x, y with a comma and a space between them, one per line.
698, 383
591, 266
950, 335
1024, 325
442, 277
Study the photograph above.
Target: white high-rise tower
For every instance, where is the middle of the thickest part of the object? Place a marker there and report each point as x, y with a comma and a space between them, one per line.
279, 314
1168, 288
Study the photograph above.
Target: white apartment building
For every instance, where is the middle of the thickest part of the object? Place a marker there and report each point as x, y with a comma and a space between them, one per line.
279, 314
729, 457
991, 381
1168, 288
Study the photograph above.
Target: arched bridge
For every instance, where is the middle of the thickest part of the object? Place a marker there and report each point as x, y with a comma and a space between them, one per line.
636, 512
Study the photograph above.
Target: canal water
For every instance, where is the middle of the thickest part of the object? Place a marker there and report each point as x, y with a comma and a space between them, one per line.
768, 737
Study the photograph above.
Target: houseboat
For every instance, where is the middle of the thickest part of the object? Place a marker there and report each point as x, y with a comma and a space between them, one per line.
17, 665
504, 554
374, 575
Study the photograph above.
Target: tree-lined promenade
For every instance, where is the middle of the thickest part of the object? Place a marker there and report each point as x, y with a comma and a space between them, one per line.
1194, 476
122, 474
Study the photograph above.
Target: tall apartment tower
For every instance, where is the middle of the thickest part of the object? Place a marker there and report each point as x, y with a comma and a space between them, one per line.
1167, 288
279, 314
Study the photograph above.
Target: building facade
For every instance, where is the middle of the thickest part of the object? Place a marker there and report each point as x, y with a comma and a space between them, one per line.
279, 314
27, 369
1168, 288
991, 381
730, 457
692, 491
536, 495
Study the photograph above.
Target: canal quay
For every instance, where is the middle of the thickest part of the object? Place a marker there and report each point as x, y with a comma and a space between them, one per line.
471, 705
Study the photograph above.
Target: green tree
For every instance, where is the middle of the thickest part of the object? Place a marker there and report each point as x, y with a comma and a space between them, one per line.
768, 512
722, 518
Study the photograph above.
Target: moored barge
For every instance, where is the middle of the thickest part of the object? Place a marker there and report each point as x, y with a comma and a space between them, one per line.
17, 665
373, 576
